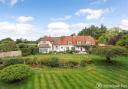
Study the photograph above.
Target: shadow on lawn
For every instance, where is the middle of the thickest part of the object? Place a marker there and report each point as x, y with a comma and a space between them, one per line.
116, 64
14, 85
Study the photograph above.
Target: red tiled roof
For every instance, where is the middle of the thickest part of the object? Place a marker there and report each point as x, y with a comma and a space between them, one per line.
65, 39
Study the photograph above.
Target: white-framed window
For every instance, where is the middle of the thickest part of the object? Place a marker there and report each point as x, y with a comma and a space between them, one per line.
87, 43
78, 42
69, 43
67, 48
43, 42
44, 50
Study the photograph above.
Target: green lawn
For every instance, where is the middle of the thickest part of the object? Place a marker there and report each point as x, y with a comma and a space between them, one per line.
74, 57
77, 78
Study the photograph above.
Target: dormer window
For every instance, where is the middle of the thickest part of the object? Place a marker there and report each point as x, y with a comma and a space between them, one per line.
78, 43
87, 43
69, 43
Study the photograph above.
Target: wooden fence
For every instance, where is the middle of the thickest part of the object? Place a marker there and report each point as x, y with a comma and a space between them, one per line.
10, 54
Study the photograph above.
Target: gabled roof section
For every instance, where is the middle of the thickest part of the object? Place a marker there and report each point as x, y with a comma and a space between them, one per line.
65, 39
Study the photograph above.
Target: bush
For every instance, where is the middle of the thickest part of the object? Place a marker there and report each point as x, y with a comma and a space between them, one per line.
82, 63
1, 62
110, 52
6, 46
12, 61
35, 50
69, 51
15, 73
53, 62
26, 51
69, 64
85, 62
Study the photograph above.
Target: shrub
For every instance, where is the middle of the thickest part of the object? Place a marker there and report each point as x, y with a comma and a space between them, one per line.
71, 64
35, 50
110, 52
1, 62
12, 61
89, 61
26, 51
6, 46
69, 51
15, 73
53, 62
82, 63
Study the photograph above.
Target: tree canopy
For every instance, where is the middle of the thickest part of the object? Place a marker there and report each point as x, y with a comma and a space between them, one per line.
8, 44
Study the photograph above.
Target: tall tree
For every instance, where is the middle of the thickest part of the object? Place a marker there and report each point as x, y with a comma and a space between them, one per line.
93, 31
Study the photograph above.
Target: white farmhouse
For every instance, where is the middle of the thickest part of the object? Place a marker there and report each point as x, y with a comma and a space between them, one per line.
61, 44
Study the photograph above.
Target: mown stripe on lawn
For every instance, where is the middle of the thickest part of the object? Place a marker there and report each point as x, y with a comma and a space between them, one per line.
54, 82
83, 81
94, 79
46, 81
42, 81
67, 79
51, 82
37, 81
87, 78
58, 82
63, 81
100, 76
75, 81
115, 75
30, 83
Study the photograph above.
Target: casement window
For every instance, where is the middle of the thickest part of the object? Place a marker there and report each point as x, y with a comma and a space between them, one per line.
69, 43
43, 42
87, 43
67, 48
78, 42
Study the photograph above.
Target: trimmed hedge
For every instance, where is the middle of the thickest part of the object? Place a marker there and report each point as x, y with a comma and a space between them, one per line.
53, 62
26, 51
12, 61
15, 73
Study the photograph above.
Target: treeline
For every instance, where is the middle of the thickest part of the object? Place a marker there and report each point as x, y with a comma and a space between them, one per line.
27, 47
112, 36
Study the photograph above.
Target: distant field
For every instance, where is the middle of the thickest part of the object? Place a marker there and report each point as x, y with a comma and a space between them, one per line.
77, 78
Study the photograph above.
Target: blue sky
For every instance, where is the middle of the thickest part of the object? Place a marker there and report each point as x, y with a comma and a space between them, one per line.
32, 19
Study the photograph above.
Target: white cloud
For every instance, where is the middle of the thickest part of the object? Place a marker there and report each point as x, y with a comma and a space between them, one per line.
10, 2
58, 28
61, 18
91, 13
13, 2
24, 19
62, 28
100, 0
95, 2
78, 26
17, 30
124, 24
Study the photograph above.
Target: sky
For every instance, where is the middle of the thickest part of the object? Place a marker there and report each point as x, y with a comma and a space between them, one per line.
32, 19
